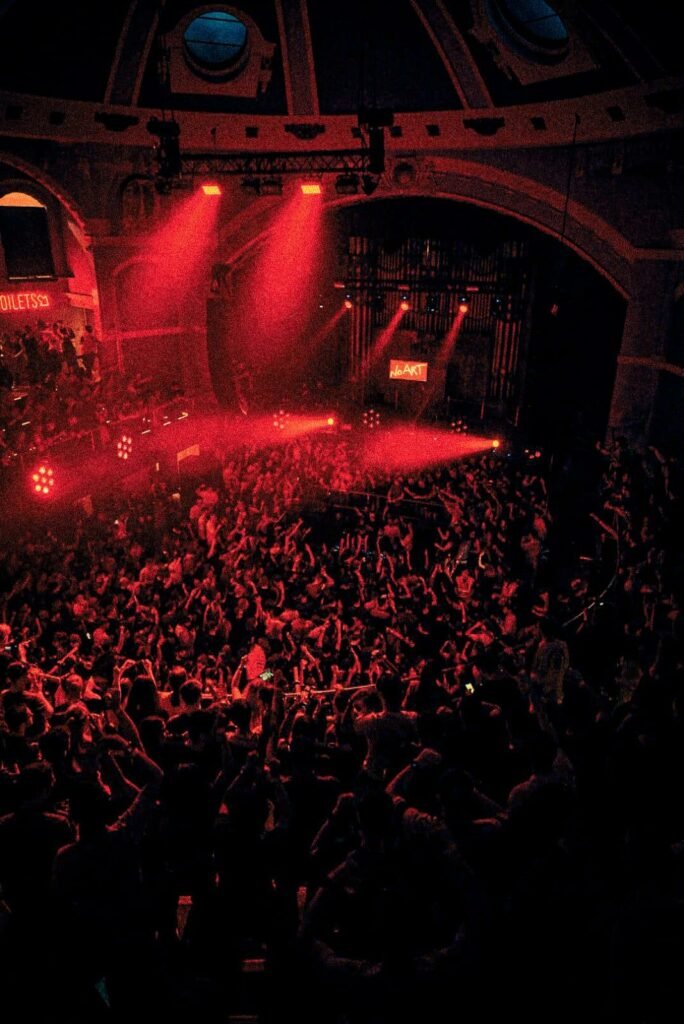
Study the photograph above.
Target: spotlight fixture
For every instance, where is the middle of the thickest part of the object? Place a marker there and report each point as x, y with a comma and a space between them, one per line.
347, 184
251, 185
168, 147
330, 421
496, 443
43, 480
211, 190
458, 426
404, 305
372, 122
271, 186
404, 174
311, 188
280, 419
463, 304
371, 419
348, 304
369, 183
124, 447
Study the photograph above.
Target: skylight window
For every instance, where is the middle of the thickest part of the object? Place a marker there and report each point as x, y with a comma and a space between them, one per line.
215, 40
531, 26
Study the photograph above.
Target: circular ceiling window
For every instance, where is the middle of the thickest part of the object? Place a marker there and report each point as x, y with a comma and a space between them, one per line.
533, 26
215, 41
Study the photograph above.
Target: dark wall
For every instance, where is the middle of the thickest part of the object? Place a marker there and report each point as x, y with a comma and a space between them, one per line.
577, 325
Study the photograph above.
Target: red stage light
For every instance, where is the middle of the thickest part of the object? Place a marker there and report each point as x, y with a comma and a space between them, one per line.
463, 307
124, 447
348, 304
331, 421
311, 188
405, 306
212, 190
496, 443
42, 480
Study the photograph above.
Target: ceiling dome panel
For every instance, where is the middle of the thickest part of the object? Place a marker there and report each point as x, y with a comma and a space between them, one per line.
308, 57
58, 49
377, 54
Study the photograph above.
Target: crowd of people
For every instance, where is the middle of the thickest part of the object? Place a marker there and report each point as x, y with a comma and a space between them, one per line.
414, 739
53, 389
34, 353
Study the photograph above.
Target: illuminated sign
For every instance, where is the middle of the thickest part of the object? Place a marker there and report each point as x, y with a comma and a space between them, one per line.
406, 369
20, 302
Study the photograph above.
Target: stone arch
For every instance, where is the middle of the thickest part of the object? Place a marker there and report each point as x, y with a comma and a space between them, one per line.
585, 232
44, 182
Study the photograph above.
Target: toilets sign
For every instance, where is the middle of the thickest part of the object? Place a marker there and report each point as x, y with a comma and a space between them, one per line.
23, 302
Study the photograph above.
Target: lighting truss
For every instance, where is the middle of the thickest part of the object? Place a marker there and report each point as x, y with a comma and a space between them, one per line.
336, 161
426, 284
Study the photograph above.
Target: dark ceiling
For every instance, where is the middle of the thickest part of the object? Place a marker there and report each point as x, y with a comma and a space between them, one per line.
364, 51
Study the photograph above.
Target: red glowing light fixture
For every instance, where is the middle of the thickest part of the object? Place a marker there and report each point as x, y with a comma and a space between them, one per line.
348, 304
404, 305
280, 419
310, 188
496, 443
331, 421
124, 447
371, 419
43, 480
212, 190
463, 307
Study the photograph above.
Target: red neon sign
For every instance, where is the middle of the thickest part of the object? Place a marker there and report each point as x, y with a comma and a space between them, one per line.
20, 302
406, 369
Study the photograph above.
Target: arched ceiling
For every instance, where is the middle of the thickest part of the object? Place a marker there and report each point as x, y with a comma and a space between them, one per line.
409, 55
498, 89
315, 58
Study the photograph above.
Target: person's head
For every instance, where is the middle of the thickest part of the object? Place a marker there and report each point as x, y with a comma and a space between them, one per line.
152, 731
176, 677
391, 690
17, 676
239, 714
89, 808
73, 688
142, 699
34, 784
201, 727
191, 693
18, 718
54, 745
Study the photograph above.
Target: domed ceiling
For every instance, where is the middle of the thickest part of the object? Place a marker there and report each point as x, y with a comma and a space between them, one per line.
317, 58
